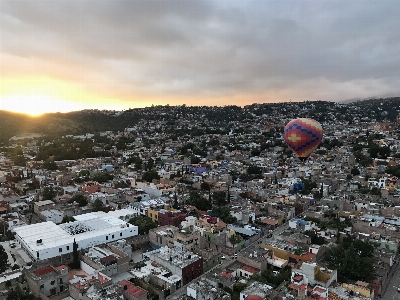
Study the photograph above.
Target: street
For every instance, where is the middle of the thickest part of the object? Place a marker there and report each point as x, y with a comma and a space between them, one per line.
391, 292
17, 256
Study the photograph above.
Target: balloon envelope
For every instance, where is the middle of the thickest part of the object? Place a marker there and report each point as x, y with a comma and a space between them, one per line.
303, 136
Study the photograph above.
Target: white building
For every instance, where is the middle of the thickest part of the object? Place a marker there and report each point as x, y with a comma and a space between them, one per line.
46, 240
53, 215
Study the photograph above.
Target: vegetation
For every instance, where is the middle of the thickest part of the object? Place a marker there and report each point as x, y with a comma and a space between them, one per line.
199, 201
3, 259
150, 175
68, 219
352, 258
144, 224
219, 197
48, 193
269, 277
98, 205
80, 199
223, 212
19, 294
315, 238
235, 239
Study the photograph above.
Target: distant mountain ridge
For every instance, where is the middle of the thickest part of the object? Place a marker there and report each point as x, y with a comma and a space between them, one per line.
93, 121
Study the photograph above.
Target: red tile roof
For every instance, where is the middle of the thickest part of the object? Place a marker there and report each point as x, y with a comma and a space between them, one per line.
320, 289
44, 270
62, 267
226, 274
249, 269
107, 258
132, 289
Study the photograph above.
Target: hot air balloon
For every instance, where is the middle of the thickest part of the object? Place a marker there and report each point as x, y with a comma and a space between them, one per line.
303, 136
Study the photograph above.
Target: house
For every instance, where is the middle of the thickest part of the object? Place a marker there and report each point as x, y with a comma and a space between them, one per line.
48, 281
131, 291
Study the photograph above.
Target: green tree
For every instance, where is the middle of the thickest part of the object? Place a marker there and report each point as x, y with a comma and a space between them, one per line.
199, 201
50, 165
75, 255
144, 224
219, 197
353, 260
68, 219
80, 199
3, 259
194, 160
98, 205
235, 239
150, 175
48, 193
102, 176
15, 267
315, 238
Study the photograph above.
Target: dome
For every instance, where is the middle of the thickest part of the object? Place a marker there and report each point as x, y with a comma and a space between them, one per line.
254, 297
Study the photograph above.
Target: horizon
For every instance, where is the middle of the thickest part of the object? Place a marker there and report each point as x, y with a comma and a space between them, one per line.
198, 53
349, 101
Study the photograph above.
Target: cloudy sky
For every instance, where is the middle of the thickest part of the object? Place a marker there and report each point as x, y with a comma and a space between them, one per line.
117, 54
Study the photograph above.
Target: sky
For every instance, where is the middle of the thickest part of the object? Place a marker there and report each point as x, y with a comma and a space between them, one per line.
120, 54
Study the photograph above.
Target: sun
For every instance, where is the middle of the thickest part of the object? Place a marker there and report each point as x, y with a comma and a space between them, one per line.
36, 105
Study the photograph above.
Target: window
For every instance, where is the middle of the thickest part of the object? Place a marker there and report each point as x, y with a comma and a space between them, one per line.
52, 282
42, 286
112, 236
107, 238
67, 248
60, 250
120, 234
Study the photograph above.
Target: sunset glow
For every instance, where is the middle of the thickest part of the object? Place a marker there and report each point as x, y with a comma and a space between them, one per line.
70, 55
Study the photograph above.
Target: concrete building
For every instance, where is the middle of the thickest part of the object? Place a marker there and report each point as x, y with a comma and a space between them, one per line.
206, 290
42, 205
46, 240
80, 287
106, 259
131, 291
180, 262
166, 217
53, 215
257, 291
49, 282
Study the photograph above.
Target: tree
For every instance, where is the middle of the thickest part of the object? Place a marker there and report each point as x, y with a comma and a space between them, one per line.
49, 193
3, 259
144, 224
75, 255
150, 175
355, 171
219, 197
352, 259
98, 205
68, 219
199, 201
235, 239
80, 199
194, 160
102, 176
175, 205
50, 165
15, 267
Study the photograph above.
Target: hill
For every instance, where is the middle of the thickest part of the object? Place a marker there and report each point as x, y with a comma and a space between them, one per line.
93, 121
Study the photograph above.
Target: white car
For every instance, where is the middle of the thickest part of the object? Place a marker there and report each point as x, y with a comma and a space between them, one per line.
222, 257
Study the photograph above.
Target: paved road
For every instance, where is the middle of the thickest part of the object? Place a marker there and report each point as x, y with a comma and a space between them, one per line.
18, 259
391, 292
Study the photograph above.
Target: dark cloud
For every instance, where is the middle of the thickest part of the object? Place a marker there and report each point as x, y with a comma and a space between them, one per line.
307, 49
